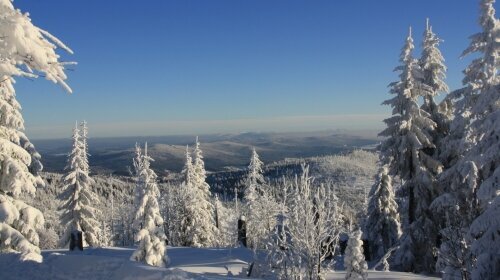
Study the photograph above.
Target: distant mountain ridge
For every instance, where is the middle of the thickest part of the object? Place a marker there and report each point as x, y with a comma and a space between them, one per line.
221, 151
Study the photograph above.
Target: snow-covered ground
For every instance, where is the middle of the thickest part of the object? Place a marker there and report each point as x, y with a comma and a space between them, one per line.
383, 275
113, 263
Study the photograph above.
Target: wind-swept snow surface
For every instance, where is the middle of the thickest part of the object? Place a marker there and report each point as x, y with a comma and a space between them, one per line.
114, 263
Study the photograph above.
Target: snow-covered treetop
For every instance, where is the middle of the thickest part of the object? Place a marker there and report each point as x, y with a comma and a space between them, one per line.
484, 69
187, 171
28, 50
406, 51
198, 163
432, 62
84, 131
137, 161
254, 181
147, 160
404, 88
75, 159
255, 168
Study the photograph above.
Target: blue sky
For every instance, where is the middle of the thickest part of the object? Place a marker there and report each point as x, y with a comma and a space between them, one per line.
194, 67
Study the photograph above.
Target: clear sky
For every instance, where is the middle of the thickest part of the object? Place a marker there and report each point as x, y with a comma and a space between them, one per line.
157, 67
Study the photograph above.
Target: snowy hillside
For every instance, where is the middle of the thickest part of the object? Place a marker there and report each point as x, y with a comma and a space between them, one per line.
351, 170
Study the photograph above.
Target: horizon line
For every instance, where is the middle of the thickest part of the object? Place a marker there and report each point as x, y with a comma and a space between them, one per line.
219, 134
281, 124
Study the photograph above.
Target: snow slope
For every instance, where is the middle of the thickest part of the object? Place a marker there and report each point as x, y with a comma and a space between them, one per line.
113, 263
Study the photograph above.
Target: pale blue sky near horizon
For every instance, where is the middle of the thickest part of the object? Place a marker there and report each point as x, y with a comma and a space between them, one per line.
197, 67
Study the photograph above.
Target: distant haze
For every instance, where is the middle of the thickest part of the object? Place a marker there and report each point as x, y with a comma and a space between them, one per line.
164, 128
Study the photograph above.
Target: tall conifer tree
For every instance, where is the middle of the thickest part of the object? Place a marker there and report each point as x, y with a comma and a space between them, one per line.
26, 51
78, 197
408, 136
151, 236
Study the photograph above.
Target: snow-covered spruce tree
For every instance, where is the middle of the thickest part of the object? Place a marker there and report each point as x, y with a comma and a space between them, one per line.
432, 80
260, 208
181, 200
203, 231
151, 236
78, 198
463, 99
137, 164
433, 74
484, 134
408, 135
254, 182
382, 226
354, 259
472, 189
18, 221
26, 50
433, 70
